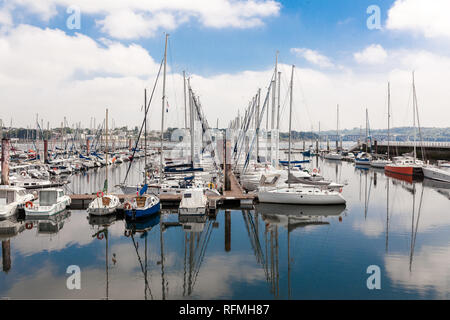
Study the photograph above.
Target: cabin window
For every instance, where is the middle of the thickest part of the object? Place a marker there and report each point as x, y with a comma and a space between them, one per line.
8, 196
47, 198
187, 195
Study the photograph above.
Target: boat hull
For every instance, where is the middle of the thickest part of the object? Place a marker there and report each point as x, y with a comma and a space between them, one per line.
414, 171
285, 198
143, 213
436, 174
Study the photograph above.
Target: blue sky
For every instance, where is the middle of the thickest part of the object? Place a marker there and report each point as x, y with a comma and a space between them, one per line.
229, 47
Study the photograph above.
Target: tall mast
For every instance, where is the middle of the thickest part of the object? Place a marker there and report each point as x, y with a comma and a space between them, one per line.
258, 106
389, 118
192, 126
367, 132
337, 130
163, 105
414, 117
145, 136
184, 95
290, 123
106, 149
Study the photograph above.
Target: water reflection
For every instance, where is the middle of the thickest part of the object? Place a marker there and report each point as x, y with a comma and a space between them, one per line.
269, 252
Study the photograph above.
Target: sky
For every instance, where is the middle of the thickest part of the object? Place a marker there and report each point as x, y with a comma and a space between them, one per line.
75, 58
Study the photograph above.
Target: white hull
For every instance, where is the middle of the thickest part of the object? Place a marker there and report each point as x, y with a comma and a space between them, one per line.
380, 163
39, 211
436, 174
99, 208
313, 198
333, 157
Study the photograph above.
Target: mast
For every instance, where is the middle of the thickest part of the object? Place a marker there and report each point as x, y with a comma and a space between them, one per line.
191, 114
258, 106
290, 123
184, 96
367, 132
389, 118
414, 117
163, 106
106, 149
145, 136
337, 130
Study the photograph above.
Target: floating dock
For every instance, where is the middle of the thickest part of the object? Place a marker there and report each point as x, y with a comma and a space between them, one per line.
232, 198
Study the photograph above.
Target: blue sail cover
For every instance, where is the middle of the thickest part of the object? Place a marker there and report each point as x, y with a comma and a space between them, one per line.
143, 190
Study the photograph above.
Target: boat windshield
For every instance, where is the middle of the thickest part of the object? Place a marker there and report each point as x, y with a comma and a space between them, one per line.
47, 198
7, 197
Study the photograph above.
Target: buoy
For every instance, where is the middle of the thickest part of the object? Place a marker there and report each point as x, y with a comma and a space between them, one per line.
340, 219
100, 236
28, 226
29, 204
100, 192
127, 206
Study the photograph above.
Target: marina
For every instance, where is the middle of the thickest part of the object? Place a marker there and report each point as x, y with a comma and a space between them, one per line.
250, 151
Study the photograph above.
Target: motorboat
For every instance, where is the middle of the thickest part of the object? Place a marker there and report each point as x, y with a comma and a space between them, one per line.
333, 156
193, 202
50, 201
380, 163
440, 174
12, 199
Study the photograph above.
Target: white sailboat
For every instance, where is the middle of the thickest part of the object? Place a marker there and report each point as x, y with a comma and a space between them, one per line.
335, 155
300, 194
105, 203
193, 202
381, 163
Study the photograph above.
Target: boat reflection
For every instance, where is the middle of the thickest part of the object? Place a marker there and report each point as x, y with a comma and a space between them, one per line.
47, 225
9, 228
440, 187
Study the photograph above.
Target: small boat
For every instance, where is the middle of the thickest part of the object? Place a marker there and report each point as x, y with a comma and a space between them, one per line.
363, 158
380, 163
49, 202
333, 156
103, 204
193, 202
143, 205
12, 199
434, 173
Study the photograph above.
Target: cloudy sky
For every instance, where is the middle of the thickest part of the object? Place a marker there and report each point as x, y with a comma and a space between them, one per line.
228, 49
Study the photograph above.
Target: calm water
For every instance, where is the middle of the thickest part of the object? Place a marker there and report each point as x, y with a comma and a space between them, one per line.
268, 253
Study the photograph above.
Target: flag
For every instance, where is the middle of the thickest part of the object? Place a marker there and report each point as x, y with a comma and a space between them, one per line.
143, 190
105, 185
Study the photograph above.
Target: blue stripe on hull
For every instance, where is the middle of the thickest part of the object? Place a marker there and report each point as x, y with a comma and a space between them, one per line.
143, 213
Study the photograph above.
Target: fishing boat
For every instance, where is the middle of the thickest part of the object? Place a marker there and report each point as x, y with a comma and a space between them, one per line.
193, 202
12, 199
143, 205
49, 202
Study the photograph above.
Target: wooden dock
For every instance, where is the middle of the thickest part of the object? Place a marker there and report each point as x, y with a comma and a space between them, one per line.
236, 197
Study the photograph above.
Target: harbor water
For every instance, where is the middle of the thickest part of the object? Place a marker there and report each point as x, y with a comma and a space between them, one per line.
266, 252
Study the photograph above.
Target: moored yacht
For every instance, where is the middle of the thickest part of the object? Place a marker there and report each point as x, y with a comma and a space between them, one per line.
12, 199
49, 202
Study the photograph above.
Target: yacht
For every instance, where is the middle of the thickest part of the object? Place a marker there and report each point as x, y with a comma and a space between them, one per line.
363, 158
440, 174
50, 201
142, 206
103, 204
405, 166
12, 199
310, 195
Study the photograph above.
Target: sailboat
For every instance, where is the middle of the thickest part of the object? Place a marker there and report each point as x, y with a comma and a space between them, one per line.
105, 203
300, 194
335, 155
406, 165
381, 163
142, 205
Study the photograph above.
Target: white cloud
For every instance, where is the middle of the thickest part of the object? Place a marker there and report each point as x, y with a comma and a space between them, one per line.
374, 54
429, 18
135, 18
313, 57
